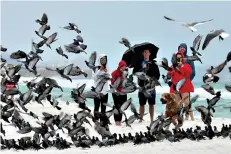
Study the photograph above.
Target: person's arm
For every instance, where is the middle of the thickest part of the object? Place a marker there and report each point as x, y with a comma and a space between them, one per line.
156, 72
187, 71
113, 77
170, 73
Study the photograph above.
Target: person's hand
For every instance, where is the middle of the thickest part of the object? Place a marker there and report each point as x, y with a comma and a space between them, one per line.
145, 65
179, 63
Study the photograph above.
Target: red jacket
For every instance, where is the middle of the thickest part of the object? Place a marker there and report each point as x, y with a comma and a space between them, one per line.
117, 74
186, 72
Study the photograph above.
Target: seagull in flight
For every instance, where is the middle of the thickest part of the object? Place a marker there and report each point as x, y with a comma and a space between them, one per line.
191, 26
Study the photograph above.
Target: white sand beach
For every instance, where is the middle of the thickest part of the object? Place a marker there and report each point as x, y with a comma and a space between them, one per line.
214, 146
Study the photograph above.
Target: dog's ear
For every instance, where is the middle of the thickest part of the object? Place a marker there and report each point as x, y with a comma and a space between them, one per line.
172, 96
165, 95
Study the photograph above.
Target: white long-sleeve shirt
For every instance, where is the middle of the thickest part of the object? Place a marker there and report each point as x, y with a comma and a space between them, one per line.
99, 72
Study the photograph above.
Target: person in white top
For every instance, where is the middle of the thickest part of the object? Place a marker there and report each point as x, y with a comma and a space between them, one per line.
102, 69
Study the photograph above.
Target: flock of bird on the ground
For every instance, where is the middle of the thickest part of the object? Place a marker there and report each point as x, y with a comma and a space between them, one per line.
13, 107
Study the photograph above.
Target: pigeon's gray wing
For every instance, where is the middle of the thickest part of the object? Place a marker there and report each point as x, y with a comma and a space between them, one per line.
45, 114
51, 38
165, 61
126, 104
219, 68
194, 99
50, 69
79, 38
133, 108
99, 86
44, 18
42, 29
26, 95
60, 50
92, 58
196, 42
209, 37
81, 88
73, 24
67, 69
33, 62
36, 138
83, 46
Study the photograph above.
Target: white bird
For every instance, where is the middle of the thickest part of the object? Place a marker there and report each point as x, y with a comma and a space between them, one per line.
191, 26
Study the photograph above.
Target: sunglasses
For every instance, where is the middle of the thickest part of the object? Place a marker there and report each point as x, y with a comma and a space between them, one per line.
103, 59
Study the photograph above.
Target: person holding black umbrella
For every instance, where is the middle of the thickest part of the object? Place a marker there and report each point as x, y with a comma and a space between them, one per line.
152, 70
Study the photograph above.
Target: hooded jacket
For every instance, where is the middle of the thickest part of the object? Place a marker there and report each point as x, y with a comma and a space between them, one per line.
191, 63
99, 72
117, 74
186, 72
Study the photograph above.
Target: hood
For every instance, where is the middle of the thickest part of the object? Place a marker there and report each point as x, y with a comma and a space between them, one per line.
185, 46
180, 53
121, 64
100, 56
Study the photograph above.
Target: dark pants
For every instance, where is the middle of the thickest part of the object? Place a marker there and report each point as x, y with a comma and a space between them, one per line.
99, 102
143, 99
118, 101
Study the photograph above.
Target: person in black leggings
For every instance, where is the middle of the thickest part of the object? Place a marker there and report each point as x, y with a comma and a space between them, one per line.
99, 102
101, 70
118, 100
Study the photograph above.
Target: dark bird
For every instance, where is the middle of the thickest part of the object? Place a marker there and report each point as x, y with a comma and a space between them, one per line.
51, 39
91, 62
44, 19
61, 52
217, 33
3, 49
196, 45
72, 26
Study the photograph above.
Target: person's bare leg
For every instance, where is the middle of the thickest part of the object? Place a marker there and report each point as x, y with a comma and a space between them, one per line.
151, 112
186, 102
142, 109
191, 115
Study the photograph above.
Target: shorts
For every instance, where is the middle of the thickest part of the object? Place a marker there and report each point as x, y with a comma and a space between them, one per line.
143, 99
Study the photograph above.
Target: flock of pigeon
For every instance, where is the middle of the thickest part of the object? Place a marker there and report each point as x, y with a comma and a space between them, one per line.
13, 101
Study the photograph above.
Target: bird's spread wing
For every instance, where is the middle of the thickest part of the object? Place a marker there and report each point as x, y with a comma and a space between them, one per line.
200, 22
44, 18
170, 19
33, 62
92, 58
67, 69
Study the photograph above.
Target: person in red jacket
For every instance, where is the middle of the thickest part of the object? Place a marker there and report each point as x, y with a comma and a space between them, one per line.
118, 99
185, 72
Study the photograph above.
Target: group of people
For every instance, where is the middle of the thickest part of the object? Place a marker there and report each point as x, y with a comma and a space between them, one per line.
186, 69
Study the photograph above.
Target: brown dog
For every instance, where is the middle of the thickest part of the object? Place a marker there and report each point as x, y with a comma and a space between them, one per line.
173, 106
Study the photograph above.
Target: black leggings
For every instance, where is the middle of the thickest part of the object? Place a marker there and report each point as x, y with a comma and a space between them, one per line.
99, 102
118, 101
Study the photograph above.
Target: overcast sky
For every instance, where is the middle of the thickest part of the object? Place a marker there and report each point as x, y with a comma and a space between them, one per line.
104, 23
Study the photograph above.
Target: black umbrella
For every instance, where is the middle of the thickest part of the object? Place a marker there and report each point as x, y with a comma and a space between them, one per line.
134, 56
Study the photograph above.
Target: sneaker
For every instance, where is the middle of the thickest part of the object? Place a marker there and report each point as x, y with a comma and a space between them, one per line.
118, 123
